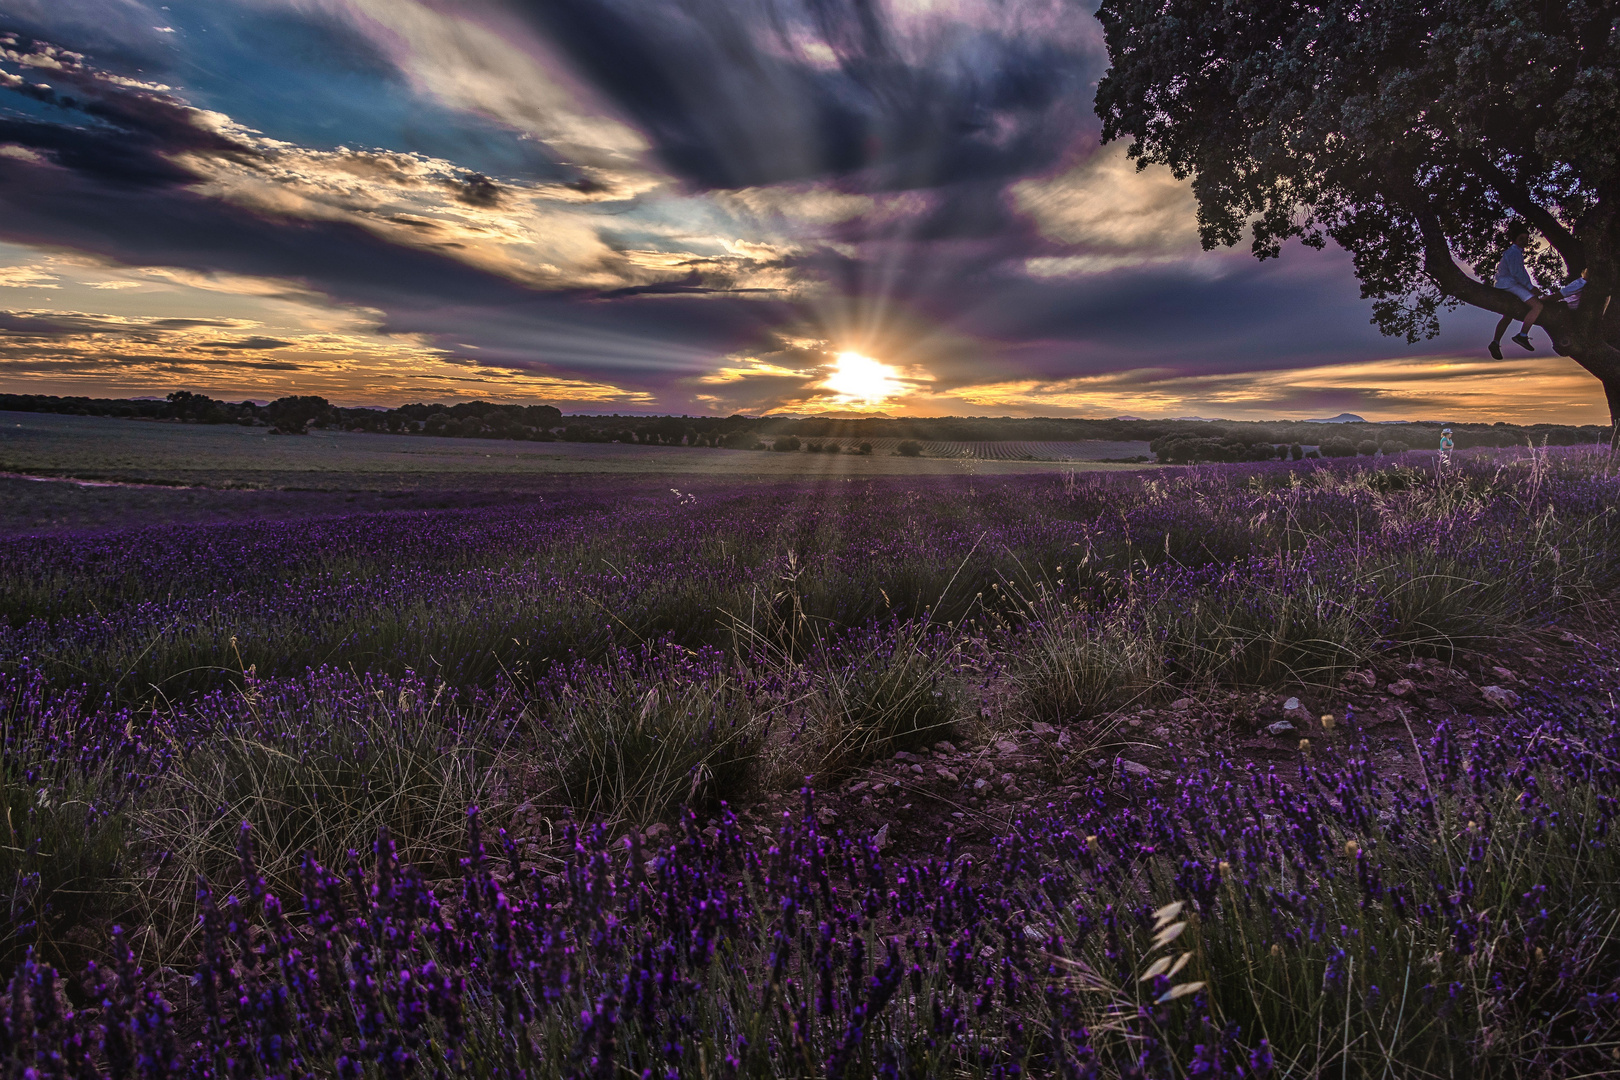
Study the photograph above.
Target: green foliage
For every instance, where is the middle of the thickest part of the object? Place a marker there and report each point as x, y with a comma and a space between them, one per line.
910, 448
294, 415
1338, 447
1183, 449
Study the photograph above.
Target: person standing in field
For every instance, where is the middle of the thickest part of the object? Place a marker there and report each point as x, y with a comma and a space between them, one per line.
1511, 276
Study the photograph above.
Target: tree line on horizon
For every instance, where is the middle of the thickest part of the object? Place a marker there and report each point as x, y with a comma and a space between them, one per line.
1175, 441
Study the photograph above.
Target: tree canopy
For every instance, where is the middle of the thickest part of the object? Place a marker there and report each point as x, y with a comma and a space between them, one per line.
1407, 131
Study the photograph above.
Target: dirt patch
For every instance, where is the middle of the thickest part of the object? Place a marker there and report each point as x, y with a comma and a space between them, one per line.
971, 795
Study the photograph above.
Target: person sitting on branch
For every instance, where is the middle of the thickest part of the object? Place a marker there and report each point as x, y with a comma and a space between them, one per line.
1511, 276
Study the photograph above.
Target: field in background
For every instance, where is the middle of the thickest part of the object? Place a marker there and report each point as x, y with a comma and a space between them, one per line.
220, 455
1081, 450
144, 472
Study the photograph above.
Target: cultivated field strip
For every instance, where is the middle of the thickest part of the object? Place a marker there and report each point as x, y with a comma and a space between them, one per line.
1077, 450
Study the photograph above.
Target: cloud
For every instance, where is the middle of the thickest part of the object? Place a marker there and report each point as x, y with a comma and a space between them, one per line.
1437, 387
901, 96
27, 277
483, 59
246, 343
1105, 206
74, 352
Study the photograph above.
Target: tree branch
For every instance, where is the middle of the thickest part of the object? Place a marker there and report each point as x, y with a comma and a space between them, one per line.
1444, 271
1518, 196
1602, 361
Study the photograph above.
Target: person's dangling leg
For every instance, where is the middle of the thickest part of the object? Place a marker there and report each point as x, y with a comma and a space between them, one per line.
1496, 342
1530, 317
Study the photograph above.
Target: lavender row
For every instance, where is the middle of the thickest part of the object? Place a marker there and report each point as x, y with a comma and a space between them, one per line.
474, 595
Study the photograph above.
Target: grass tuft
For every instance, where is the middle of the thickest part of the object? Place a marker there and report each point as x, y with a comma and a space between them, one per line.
635, 740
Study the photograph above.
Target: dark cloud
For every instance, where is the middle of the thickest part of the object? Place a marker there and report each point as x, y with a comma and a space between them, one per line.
62, 324
117, 133
476, 189
41, 325
419, 292
185, 324
692, 284
726, 112
247, 343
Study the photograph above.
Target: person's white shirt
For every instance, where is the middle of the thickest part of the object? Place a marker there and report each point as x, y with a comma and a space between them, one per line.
1511, 274
1572, 293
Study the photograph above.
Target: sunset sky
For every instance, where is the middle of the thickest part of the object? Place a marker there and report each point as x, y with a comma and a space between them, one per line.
690, 206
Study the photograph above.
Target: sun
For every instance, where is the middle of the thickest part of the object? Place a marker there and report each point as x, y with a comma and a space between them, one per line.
860, 380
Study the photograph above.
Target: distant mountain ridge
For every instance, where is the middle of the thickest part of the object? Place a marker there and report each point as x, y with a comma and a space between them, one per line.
1342, 418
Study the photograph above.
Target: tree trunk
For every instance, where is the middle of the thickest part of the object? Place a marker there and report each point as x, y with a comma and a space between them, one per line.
1611, 390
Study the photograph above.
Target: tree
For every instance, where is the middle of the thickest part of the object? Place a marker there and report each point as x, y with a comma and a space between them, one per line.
293, 415
184, 405
1407, 131
910, 448
1338, 446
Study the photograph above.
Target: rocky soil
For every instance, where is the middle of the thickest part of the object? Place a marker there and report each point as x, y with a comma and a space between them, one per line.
972, 793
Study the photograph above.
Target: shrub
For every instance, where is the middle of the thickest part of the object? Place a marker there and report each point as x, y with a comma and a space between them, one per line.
1338, 446
880, 690
866, 448
1068, 667
1297, 452
634, 740
318, 765
786, 443
910, 448
1367, 447
1394, 446
1183, 449
64, 855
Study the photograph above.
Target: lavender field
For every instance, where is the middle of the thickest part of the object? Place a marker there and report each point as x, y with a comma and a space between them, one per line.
843, 776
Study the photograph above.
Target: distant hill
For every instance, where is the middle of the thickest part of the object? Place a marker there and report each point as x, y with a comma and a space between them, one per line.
1342, 418
848, 415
